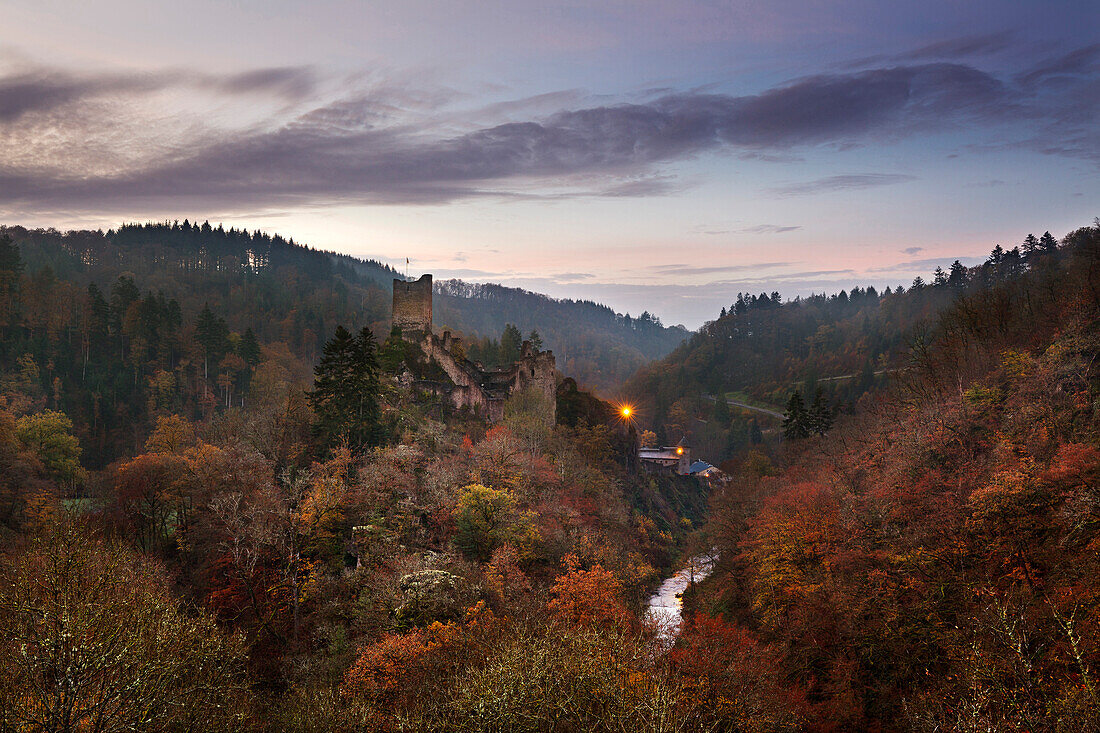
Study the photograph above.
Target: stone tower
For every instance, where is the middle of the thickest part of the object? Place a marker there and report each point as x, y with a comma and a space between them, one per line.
412, 304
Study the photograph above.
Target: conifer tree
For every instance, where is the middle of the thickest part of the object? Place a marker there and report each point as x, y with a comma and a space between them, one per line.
345, 392
1047, 243
11, 268
250, 348
721, 411
795, 418
819, 418
535, 339
213, 336
511, 341
755, 436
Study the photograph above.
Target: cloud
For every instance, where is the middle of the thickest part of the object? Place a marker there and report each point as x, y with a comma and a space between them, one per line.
1082, 61
841, 183
569, 277
770, 229
962, 47
707, 270
958, 48
43, 90
912, 250
382, 146
925, 265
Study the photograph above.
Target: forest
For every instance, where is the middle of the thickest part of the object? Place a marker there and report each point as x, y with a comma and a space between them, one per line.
212, 520
289, 295
825, 349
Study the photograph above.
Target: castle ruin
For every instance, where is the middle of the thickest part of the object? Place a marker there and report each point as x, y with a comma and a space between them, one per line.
469, 385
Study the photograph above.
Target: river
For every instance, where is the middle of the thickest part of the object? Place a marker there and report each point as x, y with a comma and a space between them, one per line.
666, 606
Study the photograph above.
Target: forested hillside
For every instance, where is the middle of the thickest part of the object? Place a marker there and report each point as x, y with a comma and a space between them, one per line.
931, 562
221, 541
834, 349
112, 328
292, 294
348, 553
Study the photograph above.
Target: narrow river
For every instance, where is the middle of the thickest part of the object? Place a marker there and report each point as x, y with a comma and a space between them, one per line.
665, 606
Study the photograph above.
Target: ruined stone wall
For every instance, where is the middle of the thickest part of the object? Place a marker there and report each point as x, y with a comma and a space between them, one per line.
537, 370
412, 304
468, 392
483, 391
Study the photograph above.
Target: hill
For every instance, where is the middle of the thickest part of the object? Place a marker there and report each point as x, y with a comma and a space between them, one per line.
762, 350
930, 563
113, 327
292, 293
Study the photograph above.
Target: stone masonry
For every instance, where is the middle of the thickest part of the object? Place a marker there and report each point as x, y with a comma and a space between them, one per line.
412, 304
471, 386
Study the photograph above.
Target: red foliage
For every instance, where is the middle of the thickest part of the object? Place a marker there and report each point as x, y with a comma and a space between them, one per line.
588, 597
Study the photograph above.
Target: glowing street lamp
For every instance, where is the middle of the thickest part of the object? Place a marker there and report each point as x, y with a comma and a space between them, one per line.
626, 412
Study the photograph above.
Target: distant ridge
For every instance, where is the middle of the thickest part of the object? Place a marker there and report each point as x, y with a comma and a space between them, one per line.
286, 291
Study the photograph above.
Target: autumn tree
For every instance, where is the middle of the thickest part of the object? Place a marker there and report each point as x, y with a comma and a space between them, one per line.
49, 435
93, 641
590, 597
486, 519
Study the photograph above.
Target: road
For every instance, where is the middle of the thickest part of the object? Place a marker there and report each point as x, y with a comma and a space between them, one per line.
754, 408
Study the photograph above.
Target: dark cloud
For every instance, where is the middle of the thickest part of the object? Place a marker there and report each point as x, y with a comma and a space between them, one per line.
1080, 62
289, 82
950, 49
43, 90
962, 47
912, 250
841, 183
786, 277
357, 149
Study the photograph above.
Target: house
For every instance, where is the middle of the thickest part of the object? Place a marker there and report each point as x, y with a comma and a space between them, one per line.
671, 458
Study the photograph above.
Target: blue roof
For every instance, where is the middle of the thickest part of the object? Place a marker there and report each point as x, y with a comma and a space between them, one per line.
699, 467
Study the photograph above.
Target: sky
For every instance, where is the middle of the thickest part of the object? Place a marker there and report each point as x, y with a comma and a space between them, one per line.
658, 156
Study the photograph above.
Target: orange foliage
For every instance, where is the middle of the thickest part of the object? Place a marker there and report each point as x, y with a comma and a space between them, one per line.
394, 670
396, 664
588, 597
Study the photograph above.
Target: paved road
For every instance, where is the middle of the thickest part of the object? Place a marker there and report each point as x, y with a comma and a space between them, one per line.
754, 408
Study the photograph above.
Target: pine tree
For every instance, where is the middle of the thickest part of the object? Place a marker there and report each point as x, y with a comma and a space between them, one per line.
1031, 245
819, 418
213, 335
11, 268
721, 411
250, 348
345, 392
958, 275
511, 342
795, 418
535, 339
